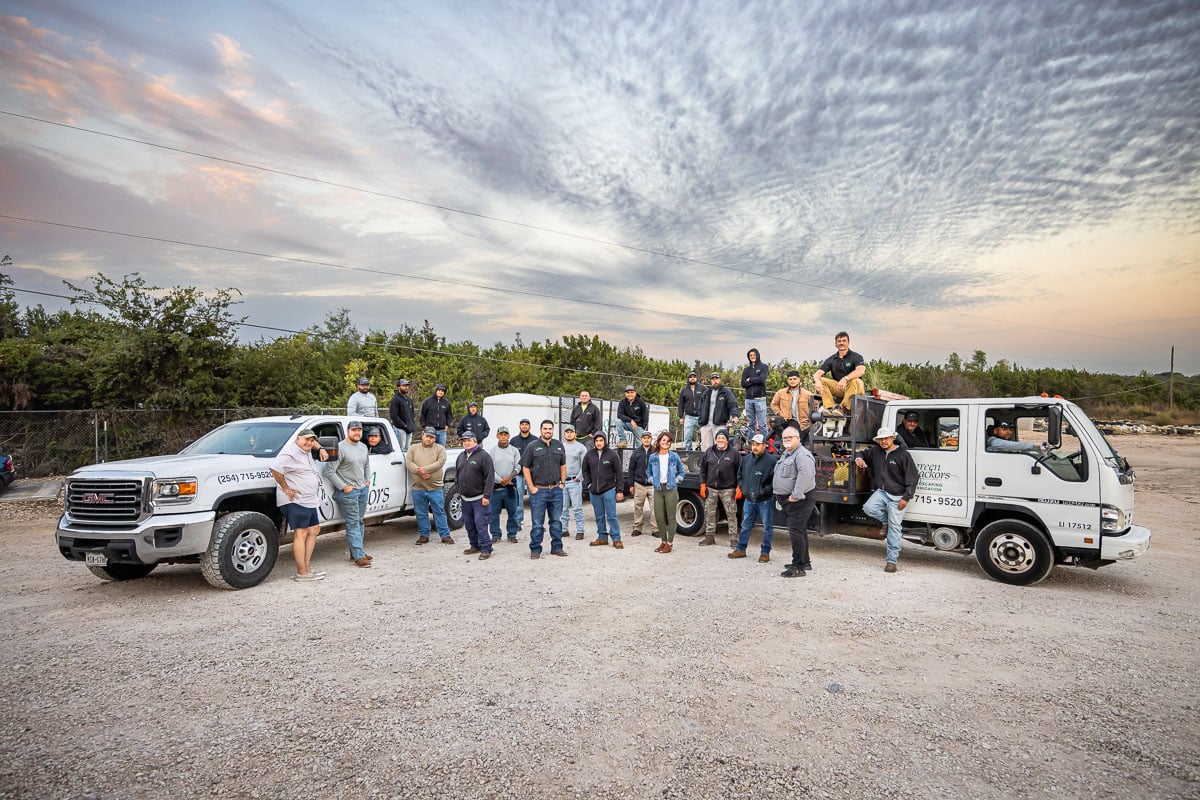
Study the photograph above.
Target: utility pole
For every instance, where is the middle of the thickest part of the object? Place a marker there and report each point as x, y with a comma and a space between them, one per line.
1171, 383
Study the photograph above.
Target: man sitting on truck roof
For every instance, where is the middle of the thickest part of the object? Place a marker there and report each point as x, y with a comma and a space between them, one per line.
1001, 441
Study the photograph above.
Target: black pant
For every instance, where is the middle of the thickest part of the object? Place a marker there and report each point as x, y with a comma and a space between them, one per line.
795, 515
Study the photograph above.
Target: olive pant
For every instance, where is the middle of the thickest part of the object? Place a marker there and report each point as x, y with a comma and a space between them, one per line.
710, 511
665, 501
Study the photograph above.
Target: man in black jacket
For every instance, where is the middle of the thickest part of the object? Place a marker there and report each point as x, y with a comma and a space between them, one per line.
585, 416
400, 409
718, 481
691, 398
911, 434
718, 408
474, 478
640, 489
894, 476
633, 417
755, 480
435, 413
603, 481
473, 421
754, 381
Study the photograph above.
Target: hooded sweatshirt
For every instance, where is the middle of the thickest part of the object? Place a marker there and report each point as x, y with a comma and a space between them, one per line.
754, 376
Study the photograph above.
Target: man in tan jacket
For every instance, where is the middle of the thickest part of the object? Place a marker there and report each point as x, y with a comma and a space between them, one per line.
426, 460
792, 402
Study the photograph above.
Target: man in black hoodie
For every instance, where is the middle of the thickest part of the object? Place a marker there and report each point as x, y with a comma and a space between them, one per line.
691, 400
435, 413
473, 421
400, 409
633, 417
754, 381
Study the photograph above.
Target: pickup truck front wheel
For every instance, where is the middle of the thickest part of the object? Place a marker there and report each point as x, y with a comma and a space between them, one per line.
122, 572
242, 550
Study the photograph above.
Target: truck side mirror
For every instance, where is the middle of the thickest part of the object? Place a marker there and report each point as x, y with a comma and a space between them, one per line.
1054, 434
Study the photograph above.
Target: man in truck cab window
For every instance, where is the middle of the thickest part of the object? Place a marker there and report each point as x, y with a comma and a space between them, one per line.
911, 433
1001, 440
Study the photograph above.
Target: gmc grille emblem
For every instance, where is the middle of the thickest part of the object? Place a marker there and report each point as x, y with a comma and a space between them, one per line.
96, 498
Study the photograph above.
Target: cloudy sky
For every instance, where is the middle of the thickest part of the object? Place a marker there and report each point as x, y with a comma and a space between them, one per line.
693, 178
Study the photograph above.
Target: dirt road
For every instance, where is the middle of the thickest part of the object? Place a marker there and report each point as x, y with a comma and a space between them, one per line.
612, 673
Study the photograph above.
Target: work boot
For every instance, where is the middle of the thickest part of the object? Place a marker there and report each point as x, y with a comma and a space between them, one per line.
422, 540
736, 554
764, 558
889, 566
598, 543
708, 540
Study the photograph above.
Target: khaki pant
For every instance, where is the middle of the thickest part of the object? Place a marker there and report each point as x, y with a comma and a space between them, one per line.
643, 507
710, 510
830, 391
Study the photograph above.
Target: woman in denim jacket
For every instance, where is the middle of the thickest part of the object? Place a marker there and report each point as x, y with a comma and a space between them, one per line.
665, 471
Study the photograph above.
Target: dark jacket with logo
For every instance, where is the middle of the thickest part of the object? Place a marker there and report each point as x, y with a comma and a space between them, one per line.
602, 471
895, 472
435, 413
586, 421
755, 476
636, 411
691, 397
719, 469
476, 424
754, 377
726, 406
475, 474
400, 409
638, 463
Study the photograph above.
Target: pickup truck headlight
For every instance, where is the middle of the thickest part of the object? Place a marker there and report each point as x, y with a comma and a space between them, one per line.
175, 491
1112, 519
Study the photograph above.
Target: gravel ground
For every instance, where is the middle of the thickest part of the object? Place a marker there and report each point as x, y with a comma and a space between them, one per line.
611, 673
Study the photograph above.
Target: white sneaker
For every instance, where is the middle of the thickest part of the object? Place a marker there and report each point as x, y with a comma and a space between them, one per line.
309, 578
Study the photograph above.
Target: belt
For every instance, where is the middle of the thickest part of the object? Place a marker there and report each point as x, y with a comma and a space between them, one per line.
546, 485
572, 480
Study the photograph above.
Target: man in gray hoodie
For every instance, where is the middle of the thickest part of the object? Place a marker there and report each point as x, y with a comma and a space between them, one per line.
794, 483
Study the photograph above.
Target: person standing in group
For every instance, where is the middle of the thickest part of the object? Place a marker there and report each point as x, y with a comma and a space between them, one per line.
754, 382
602, 477
506, 459
475, 477
847, 368
350, 474
585, 416
400, 409
641, 486
665, 472
435, 413
633, 415
427, 461
362, 403
718, 481
522, 440
717, 410
474, 422
298, 497
794, 482
691, 400
894, 476
545, 466
573, 487
791, 404
755, 475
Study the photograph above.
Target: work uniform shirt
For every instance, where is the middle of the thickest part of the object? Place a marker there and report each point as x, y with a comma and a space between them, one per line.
544, 460
839, 367
795, 474
586, 420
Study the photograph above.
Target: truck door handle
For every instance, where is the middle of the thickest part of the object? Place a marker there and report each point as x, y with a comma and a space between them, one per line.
993, 482
397, 463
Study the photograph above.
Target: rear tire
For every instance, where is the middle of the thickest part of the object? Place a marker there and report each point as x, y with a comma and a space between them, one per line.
689, 514
242, 550
122, 572
1014, 552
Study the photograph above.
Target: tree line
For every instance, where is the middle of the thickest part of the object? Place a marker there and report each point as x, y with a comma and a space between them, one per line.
127, 344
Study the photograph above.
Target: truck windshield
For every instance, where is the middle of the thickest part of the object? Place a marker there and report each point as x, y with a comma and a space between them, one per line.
260, 439
1081, 421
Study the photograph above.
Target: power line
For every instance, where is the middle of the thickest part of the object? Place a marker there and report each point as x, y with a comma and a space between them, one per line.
557, 232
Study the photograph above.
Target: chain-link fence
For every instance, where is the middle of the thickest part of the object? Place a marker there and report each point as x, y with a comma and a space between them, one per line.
46, 443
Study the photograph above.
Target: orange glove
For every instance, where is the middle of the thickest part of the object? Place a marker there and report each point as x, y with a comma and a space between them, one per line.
703, 490
737, 495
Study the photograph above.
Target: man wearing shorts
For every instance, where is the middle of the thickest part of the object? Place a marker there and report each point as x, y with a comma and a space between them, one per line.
297, 495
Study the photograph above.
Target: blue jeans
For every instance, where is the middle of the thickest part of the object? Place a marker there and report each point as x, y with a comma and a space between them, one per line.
691, 426
353, 505
604, 506
505, 498
572, 502
756, 415
519, 482
886, 508
441, 437
627, 432
403, 439
762, 510
425, 501
546, 503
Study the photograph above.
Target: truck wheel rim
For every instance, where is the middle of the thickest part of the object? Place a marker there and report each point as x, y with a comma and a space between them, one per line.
1012, 553
685, 512
455, 506
249, 551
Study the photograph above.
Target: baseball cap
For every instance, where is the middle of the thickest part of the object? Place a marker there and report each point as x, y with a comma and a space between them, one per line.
364, 381
468, 434
430, 431
714, 374
793, 373
630, 388
911, 415
758, 439
354, 425
501, 429
402, 382
307, 433
570, 428
1002, 424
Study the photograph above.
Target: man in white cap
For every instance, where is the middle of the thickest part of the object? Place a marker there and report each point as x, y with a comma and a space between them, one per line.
894, 476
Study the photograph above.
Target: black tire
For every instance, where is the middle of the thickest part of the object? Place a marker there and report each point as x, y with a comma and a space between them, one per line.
454, 511
242, 550
689, 513
1014, 552
122, 572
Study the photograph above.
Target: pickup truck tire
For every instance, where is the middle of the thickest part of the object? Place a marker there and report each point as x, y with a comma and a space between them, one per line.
122, 572
242, 550
454, 510
1014, 552
689, 513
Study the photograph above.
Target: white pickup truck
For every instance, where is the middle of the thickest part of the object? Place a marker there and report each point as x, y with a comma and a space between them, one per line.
214, 502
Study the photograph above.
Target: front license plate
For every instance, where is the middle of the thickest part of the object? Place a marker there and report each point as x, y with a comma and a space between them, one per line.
95, 559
